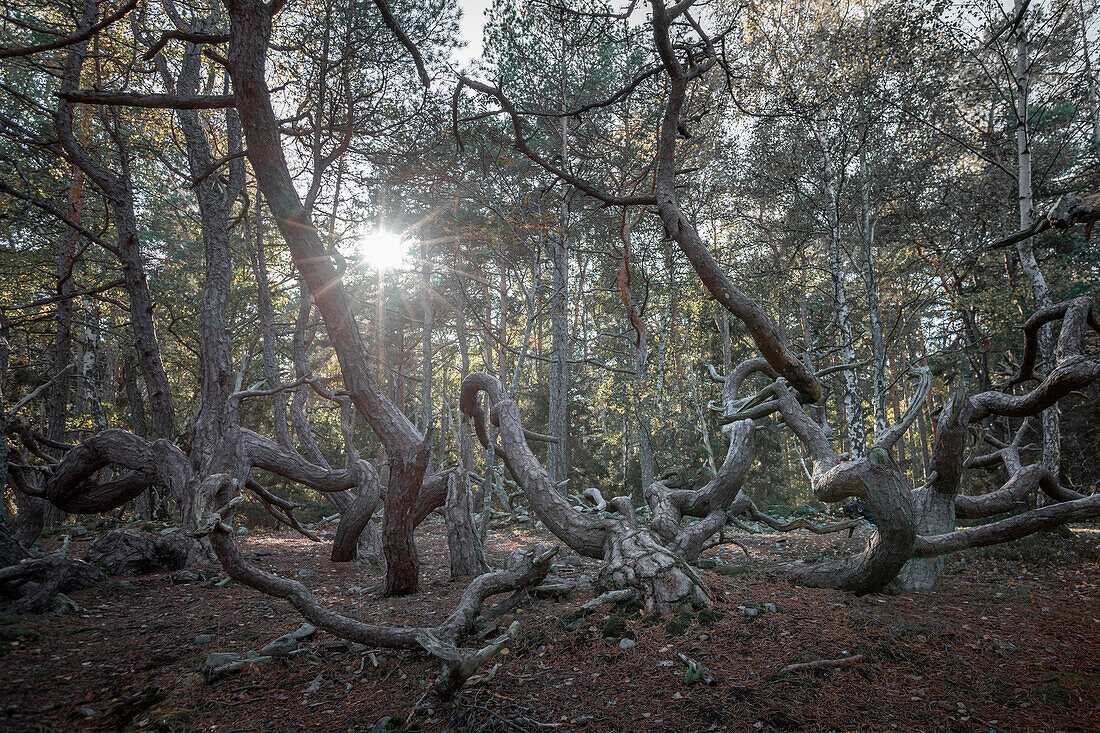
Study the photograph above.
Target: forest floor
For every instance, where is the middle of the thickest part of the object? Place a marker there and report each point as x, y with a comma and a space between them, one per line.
1010, 641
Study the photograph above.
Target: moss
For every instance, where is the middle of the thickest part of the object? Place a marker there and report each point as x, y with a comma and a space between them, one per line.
1052, 695
614, 626
679, 624
733, 571
779, 510
708, 617
805, 510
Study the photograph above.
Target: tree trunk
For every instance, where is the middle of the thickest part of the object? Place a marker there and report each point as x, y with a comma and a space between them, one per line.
935, 504
463, 542
425, 337
1090, 80
559, 340
635, 557
250, 26
870, 282
853, 409
216, 447
266, 312
643, 402
1052, 434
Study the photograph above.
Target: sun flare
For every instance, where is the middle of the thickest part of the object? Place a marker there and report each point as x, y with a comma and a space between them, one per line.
382, 250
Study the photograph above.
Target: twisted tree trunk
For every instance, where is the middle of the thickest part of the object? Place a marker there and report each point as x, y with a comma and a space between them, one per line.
406, 448
637, 560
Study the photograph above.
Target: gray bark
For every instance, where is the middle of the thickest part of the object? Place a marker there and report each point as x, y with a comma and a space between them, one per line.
643, 404
853, 409
559, 346
635, 557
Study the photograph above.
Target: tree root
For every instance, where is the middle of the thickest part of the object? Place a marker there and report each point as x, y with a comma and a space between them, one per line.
36, 583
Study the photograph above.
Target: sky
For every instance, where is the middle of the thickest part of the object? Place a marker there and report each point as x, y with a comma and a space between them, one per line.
469, 29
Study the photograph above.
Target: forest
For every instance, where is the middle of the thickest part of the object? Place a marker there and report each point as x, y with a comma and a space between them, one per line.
509, 365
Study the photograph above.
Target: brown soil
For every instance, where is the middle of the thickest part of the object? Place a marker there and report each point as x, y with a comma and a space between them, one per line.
1005, 644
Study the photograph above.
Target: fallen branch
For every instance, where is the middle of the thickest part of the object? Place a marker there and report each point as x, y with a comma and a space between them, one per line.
824, 664
695, 671
611, 596
775, 524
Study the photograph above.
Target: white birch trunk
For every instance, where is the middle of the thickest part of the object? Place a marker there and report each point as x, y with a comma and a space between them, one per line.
1052, 454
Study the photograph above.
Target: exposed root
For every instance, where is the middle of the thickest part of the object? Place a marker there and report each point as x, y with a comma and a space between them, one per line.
35, 583
610, 597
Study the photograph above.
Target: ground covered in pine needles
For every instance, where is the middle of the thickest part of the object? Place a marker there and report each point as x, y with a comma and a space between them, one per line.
1011, 641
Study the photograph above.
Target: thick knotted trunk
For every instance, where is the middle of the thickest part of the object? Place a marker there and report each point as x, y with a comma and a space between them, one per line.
463, 540
939, 502
709, 503
934, 504
875, 479
636, 557
935, 514
637, 560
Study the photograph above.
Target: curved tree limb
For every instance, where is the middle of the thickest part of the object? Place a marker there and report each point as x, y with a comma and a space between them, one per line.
1012, 528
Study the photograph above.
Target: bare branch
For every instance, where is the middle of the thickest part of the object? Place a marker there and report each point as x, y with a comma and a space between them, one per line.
149, 101
78, 37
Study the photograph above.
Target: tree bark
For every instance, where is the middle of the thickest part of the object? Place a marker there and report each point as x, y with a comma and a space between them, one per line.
935, 503
643, 404
266, 312
853, 409
119, 189
559, 343
1052, 434
635, 557
250, 27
